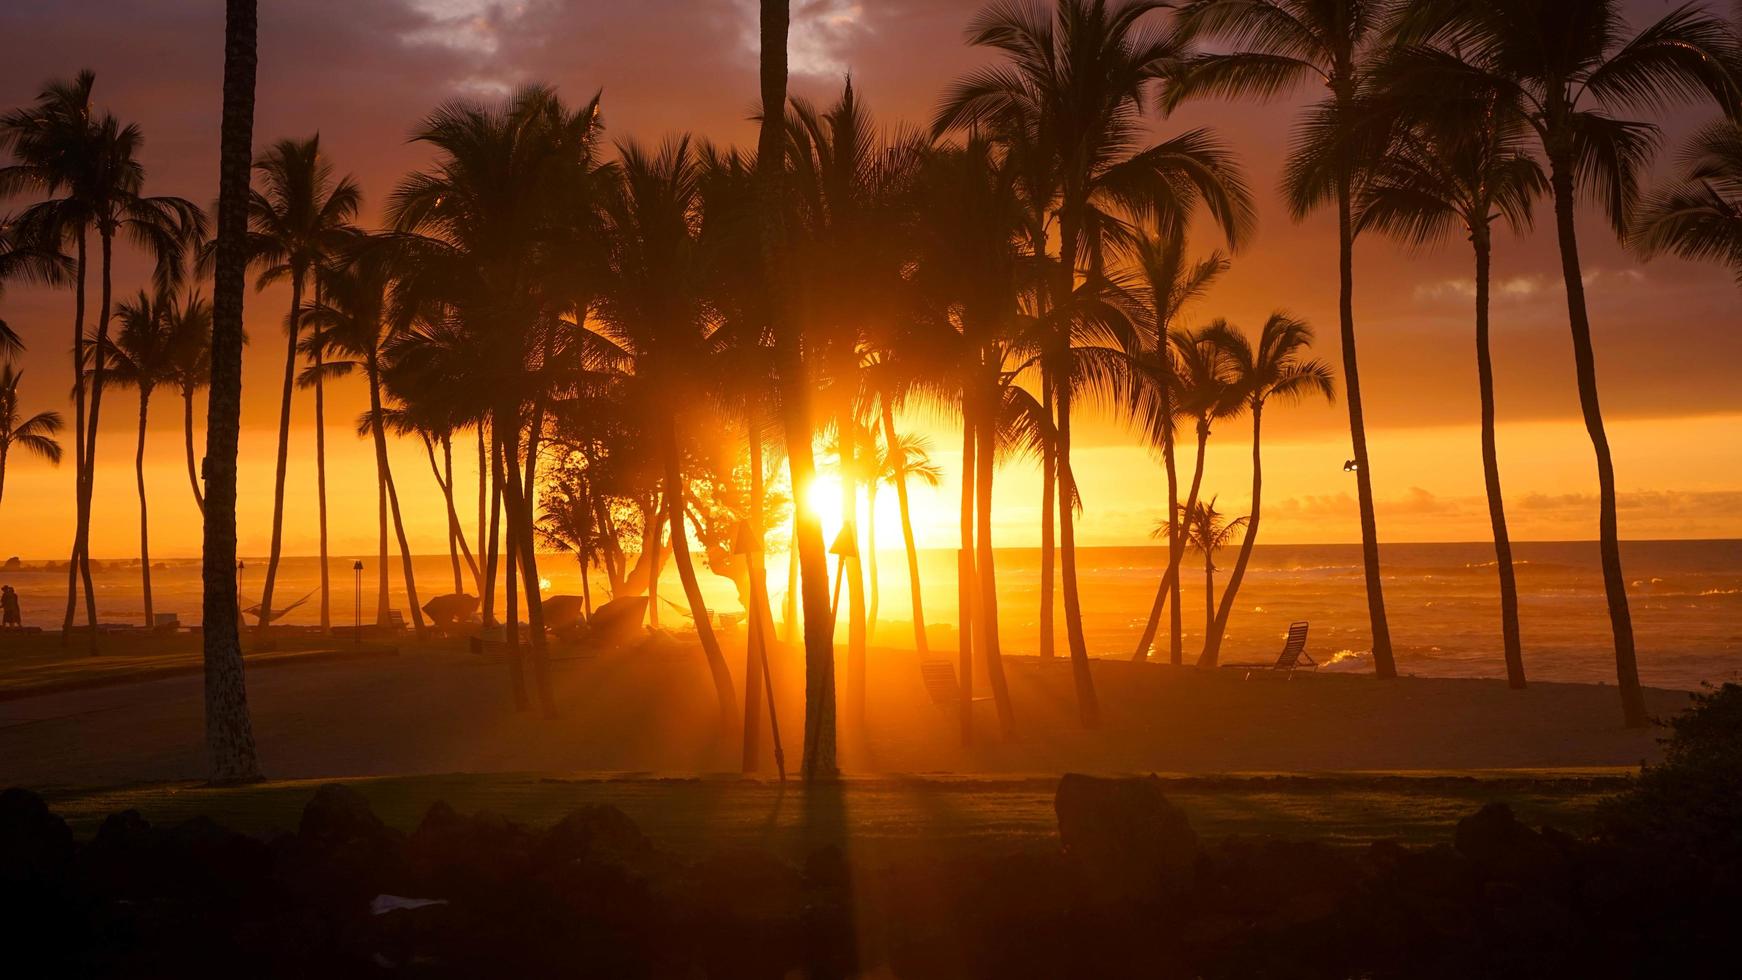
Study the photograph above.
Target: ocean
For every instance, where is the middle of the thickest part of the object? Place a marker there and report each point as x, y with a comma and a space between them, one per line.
1442, 599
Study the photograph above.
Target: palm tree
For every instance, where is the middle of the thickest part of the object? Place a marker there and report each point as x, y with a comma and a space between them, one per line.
1276, 46
190, 369
1277, 367
1169, 281
87, 166
34, 435
1074, 85
655, 309
1206, 395
353, 321
1699, 216
229, 731
299, 218
30, 260
1568, 66
499, 240
1207, 530
903, 457
142, 359
1443, 176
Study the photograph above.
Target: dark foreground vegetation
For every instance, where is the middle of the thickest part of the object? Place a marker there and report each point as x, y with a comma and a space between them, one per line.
1128, 890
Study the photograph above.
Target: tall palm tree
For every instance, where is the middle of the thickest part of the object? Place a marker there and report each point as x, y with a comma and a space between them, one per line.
86, 165
1700, 215
1568, 66
142, 358
1273, 47
903, 458
500, 240
1276, 367
190, 369
229, 731
354, 323
1169, 282
1463, 175
818, 762
1207, 530
299, 218
655, 309
34, 435
1075, 84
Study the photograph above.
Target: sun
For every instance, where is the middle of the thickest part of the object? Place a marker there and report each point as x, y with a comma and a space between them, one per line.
822, 500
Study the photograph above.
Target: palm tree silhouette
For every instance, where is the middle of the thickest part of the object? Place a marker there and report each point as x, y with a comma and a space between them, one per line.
1700, 215
1071, 93
1278, 45
655, 309
354, 321
141, 358
1207, 530
190, 369
29, 260
1168, 282
34, 435
900, 459
299, 219
1568, 66
229, 730
1277, 367
87, 166
1462, 175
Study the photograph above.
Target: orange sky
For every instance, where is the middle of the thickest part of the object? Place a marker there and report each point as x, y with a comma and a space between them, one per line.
362, 74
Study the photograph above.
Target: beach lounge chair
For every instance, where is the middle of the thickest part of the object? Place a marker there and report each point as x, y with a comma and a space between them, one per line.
1293, 655
940, 682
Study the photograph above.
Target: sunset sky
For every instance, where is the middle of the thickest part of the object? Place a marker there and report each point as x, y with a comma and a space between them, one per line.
363, 73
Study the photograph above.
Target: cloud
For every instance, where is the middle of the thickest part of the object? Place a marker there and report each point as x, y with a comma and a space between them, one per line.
1524, 288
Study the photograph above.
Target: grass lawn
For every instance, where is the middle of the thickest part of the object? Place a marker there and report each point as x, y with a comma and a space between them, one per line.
698, 815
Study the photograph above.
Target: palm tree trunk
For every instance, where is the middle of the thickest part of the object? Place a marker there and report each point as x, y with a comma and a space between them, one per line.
1218, 627
1048, 490
80, 268
446, 488
789, 603
1174, 544
483, 468
1585, 362
144, 522
383, 599
187, 421
404, 551
985, 570
1088, 705
675, 495
1209, 592
1170, 585
99, 372
1384, 665
1491, 468
966, 591
321, 479
907, 541
516, 660
284, 456
518, 515
492, 560
855, 570
758, 619
819, 724
871, 559
229, 731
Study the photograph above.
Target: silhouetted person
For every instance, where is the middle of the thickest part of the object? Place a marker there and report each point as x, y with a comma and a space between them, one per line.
10, 617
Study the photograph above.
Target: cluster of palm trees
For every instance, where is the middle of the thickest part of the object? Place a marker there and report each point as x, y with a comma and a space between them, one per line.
637, 337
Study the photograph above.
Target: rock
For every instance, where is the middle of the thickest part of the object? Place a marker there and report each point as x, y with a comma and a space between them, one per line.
601, 834
34, 843
563, 612
1502, 848
338, 814
447, 610
1124, 835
